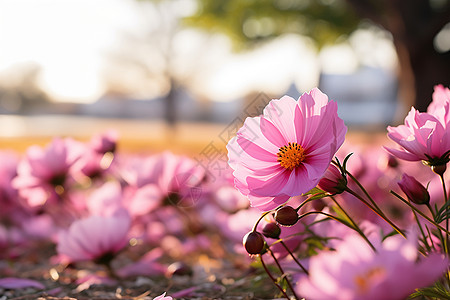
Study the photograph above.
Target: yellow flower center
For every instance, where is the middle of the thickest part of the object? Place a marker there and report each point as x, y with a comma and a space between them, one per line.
291, 156
364, 281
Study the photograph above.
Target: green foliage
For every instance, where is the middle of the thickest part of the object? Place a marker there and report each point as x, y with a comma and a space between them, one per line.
438, 291
443, 213
315, 193
249, 22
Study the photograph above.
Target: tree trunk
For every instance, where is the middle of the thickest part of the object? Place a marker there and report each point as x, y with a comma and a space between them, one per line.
413, 25
430, 68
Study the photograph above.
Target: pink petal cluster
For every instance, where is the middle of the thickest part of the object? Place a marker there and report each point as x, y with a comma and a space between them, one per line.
164, 177
355, 272
45, 173
93, 237
286, 151
425, 136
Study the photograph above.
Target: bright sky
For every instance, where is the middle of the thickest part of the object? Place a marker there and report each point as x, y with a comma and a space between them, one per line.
66, 37
70, 38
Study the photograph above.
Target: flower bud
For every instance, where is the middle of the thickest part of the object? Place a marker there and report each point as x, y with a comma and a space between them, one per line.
271, 230
333, 181
253, 242
414, 190
286, 216
439, 169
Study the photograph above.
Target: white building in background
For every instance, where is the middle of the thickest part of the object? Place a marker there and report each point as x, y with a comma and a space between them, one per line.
366, 97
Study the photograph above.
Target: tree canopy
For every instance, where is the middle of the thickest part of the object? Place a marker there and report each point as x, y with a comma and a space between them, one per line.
413, 25
250, 22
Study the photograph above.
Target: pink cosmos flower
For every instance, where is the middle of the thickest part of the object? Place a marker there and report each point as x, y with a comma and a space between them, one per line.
45, 173
425, 136
441, 96
285, 152
94, 238
165, 178
354, 271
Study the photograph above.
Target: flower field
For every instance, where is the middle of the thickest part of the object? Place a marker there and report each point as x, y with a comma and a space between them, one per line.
294, 209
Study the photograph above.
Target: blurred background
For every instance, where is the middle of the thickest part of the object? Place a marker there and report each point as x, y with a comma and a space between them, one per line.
183, 74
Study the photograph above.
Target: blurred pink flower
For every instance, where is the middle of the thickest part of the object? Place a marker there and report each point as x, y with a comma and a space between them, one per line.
147, 265
20, 283
354, 271
441, 96
106, 200
105, 142
164, 178
44, 174
8, 194
425, 136
13, 242
94, 238
99, 155
286, 151
229, 199
163, 297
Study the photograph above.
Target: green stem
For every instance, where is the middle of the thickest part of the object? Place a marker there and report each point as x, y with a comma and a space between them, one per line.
419, 212
309, 199
441, 176
293, 257
342, 222
273, 279
377, 211
441, 237
365, 192
260, 218
431, 240
425, 241
355, 226
283, 274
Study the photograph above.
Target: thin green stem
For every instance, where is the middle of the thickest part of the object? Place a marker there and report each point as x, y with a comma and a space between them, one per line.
377, 211
293, 257
309, 199
271, 277
441, 237
431, 239
340, 221
355, 226
420, 212
444, 189
260, 218
283, 274
425, 240
365, 192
